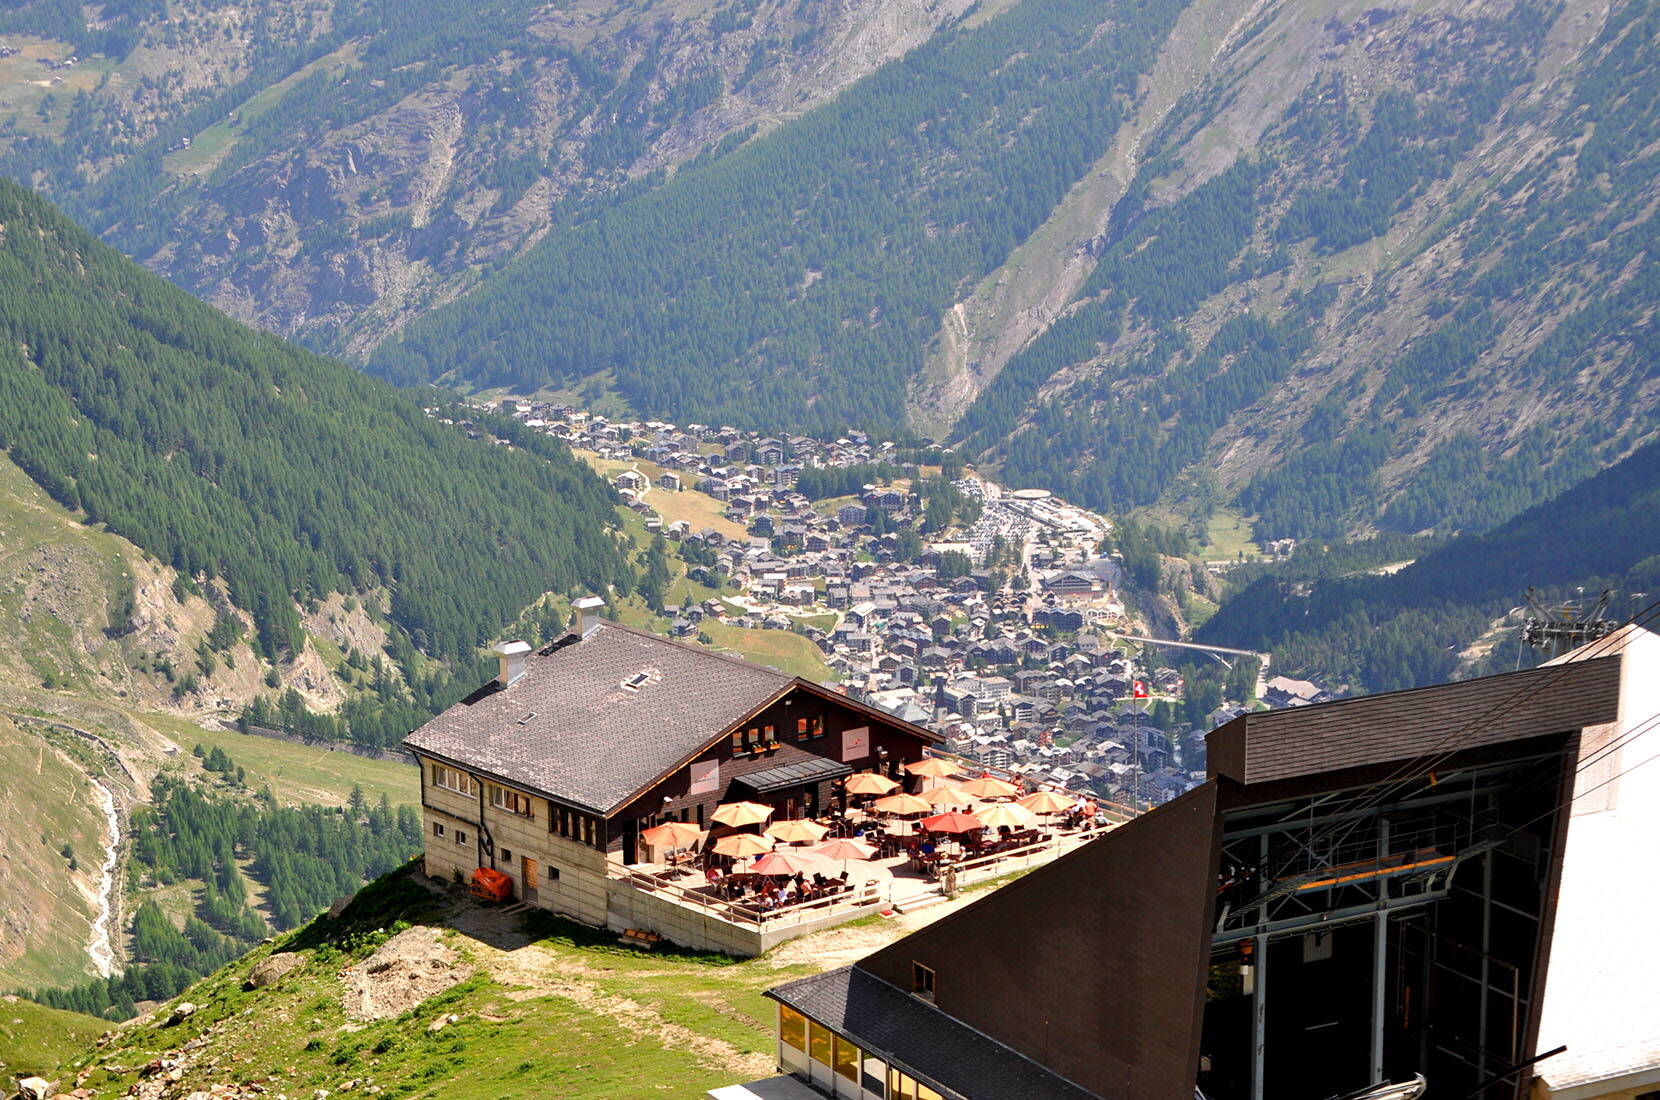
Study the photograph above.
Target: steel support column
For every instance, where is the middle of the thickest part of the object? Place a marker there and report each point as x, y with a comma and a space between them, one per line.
1259, 1023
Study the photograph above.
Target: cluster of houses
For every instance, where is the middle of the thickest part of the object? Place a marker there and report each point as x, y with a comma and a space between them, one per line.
1012, 658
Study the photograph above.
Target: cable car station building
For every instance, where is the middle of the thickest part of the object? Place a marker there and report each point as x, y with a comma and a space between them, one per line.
1363, 891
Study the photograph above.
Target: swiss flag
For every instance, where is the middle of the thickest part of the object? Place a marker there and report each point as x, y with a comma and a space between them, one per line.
1139, 689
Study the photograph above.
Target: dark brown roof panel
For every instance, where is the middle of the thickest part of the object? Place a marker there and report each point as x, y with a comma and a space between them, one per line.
1093, 966
1403, 726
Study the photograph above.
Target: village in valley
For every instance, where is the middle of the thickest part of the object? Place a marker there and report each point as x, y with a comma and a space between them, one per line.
1000, 617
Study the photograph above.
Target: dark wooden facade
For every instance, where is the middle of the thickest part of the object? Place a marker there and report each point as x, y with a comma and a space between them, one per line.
827, 718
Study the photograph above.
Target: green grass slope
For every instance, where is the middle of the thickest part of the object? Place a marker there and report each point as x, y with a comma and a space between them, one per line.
35, 1039
543, 1008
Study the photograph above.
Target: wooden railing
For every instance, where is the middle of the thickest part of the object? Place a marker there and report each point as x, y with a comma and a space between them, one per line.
744, 912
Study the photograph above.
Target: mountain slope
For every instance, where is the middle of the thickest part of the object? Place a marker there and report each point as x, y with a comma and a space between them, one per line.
328, 170
1359, 265
794, 281
1383, 266
233, 456
1418, 625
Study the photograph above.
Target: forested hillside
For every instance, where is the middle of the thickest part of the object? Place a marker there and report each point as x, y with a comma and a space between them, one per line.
1325, 614
288, 478
1405, 286
795, 281
326, 169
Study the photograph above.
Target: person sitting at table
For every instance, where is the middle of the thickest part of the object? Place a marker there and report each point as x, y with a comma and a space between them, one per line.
927, 847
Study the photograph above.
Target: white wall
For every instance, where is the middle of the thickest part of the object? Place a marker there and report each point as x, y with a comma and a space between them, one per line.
1602, 992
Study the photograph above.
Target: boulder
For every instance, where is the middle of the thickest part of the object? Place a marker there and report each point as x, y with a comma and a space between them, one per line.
183, 1011
271, 970
33, 1088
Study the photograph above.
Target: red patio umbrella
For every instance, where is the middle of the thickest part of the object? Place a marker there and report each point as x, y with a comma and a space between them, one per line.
952, 822
780, 863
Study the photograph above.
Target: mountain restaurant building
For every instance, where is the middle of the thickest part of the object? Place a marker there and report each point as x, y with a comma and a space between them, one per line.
550, 773
1362, 892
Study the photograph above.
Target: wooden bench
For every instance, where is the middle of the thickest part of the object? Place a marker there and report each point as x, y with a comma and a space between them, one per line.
639, 938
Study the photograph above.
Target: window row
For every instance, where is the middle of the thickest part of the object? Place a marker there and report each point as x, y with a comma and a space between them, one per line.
846, 1060
438, 831
580, 827
452, 779
511, 801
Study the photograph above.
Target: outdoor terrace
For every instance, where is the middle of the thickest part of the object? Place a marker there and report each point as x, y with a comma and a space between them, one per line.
890, 849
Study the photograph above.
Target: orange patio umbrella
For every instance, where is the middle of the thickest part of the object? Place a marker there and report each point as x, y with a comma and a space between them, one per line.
1046, 802
952, 823
946, 794
672, 834
933, 766
739, 845
742, 813
901, 804
1011, 814
796, 831
988, 787
869, 783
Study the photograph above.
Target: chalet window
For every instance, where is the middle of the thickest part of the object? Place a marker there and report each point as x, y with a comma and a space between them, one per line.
452, 779
922, 981
769, 734
792, 1027
819, 1042
437, 828
511, 801
737, 741
847, 1059
507, 855
460, 837
801, 729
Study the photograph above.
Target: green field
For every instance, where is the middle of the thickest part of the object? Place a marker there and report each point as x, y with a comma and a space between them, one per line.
787, 652
208, 147
298, 773
37, 1039
698, 509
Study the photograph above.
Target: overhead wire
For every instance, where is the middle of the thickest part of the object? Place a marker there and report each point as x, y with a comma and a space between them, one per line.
1408, 772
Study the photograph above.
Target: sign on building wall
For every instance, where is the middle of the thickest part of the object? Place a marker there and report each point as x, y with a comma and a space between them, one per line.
855, 744
705, 777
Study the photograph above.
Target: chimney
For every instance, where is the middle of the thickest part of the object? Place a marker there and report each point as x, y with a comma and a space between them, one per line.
587, 610
512, 657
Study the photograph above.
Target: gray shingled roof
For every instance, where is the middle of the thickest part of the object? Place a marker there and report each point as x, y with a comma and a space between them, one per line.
882, 1020
593, 742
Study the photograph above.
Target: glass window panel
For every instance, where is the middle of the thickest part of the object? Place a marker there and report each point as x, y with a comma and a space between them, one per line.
792, 1027
923, 1092
847, 1059
820, 1040
900, 1086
